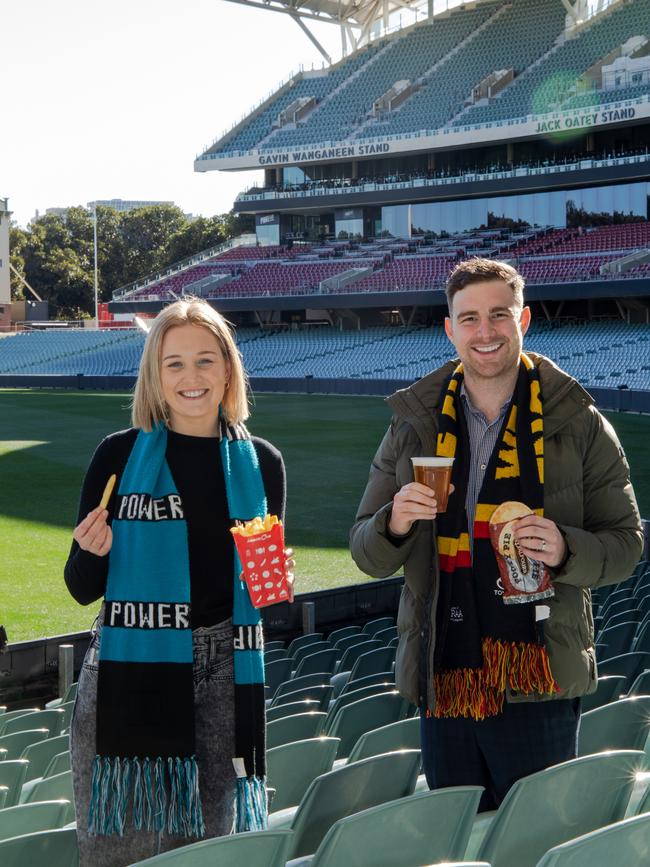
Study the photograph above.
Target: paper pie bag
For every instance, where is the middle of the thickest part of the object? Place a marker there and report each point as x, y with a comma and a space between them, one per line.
524, 579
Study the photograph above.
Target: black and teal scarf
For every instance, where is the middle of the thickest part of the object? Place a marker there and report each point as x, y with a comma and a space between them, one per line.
483, 645
145, 743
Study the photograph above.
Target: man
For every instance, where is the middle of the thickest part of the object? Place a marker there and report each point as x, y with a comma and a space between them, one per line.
498, 685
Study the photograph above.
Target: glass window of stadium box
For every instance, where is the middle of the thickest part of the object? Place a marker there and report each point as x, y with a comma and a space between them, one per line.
267, 229
558, 208
349, 223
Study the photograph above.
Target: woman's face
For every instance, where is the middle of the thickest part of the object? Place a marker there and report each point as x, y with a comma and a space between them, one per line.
194, 373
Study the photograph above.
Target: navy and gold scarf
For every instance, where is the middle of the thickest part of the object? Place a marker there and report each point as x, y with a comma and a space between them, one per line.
145, 762
484, 646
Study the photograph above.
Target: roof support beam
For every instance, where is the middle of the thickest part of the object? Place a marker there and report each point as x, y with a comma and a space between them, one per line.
310, 35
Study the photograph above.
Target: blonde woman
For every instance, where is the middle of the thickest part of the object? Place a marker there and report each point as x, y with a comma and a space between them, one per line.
167, 737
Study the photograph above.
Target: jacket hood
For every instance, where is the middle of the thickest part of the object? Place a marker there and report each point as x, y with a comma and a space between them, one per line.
563, 396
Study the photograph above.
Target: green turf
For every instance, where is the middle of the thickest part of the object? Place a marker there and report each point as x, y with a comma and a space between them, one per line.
47, 439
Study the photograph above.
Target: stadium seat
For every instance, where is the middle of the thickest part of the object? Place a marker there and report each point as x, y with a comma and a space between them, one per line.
346, 641
624, 842
308, 650
322, 660
617, 639
609, 688
401, 735
622, 725
276, 672
70, 695
15, 743
321, 694
294, 728
49, 719
353, 695
343, 632
627, 665
352, 653
355, 719
578, 796
319, 678
274, 645
57, 848
59, 764
279, 711
382, 677
39, 755
12, 714
12, 776
374, 626
372, 662
272, 655
641, 685
399, 832
29, 818
58, 787
253, 848
301, 640
345, 791
292, 767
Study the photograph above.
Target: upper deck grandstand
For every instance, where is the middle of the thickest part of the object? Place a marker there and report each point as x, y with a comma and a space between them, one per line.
495, 111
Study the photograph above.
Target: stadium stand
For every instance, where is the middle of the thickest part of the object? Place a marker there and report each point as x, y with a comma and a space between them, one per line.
610, 353
543, 87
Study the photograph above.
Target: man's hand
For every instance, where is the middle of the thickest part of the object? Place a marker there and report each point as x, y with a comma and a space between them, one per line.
413, 502
540, 539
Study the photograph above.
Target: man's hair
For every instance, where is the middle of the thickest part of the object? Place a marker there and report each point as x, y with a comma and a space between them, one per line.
479, 270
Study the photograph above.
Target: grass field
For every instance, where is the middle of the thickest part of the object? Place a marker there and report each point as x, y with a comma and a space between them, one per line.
47, 439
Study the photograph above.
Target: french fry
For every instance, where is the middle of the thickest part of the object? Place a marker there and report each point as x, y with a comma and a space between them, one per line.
108, 490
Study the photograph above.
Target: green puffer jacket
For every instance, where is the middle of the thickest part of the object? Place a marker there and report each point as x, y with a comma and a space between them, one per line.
587, 492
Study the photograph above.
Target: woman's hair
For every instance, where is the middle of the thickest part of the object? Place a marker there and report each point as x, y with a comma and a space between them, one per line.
149, 407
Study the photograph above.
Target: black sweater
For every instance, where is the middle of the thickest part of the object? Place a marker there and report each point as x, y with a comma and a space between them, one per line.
195, 464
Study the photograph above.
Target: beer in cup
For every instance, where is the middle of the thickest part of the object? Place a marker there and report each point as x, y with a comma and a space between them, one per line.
435, 473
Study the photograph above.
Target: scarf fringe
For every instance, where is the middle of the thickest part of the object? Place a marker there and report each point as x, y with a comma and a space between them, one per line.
480, 692
251, 812
165, 796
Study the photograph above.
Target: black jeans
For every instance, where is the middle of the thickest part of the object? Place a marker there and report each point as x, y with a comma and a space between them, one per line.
497, 751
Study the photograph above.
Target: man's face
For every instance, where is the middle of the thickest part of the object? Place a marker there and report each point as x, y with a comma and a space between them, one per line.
487, 328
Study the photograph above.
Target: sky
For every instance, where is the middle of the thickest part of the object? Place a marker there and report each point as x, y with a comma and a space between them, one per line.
115, 100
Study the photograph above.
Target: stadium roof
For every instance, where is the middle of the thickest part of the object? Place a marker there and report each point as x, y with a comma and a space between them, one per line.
357, 19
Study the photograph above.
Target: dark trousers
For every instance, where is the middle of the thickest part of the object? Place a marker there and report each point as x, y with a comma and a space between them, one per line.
497, 751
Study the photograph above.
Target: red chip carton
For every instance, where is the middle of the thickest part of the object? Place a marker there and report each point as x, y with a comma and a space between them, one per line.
260, 545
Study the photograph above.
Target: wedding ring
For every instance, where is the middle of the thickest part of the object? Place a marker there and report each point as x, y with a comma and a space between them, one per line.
543, 545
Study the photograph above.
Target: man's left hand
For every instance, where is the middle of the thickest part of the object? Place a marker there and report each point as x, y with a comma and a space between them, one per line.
540, 539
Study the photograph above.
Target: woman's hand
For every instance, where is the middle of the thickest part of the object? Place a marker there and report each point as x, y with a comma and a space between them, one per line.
289, 566
93, 534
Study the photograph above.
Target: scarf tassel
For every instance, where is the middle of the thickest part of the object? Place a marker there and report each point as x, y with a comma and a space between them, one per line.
251, 812
480, 692
165, 796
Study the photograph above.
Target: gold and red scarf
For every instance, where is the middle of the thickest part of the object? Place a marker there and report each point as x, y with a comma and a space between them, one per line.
484, 646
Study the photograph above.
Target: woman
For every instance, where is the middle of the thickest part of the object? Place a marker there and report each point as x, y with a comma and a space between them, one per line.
168, 729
